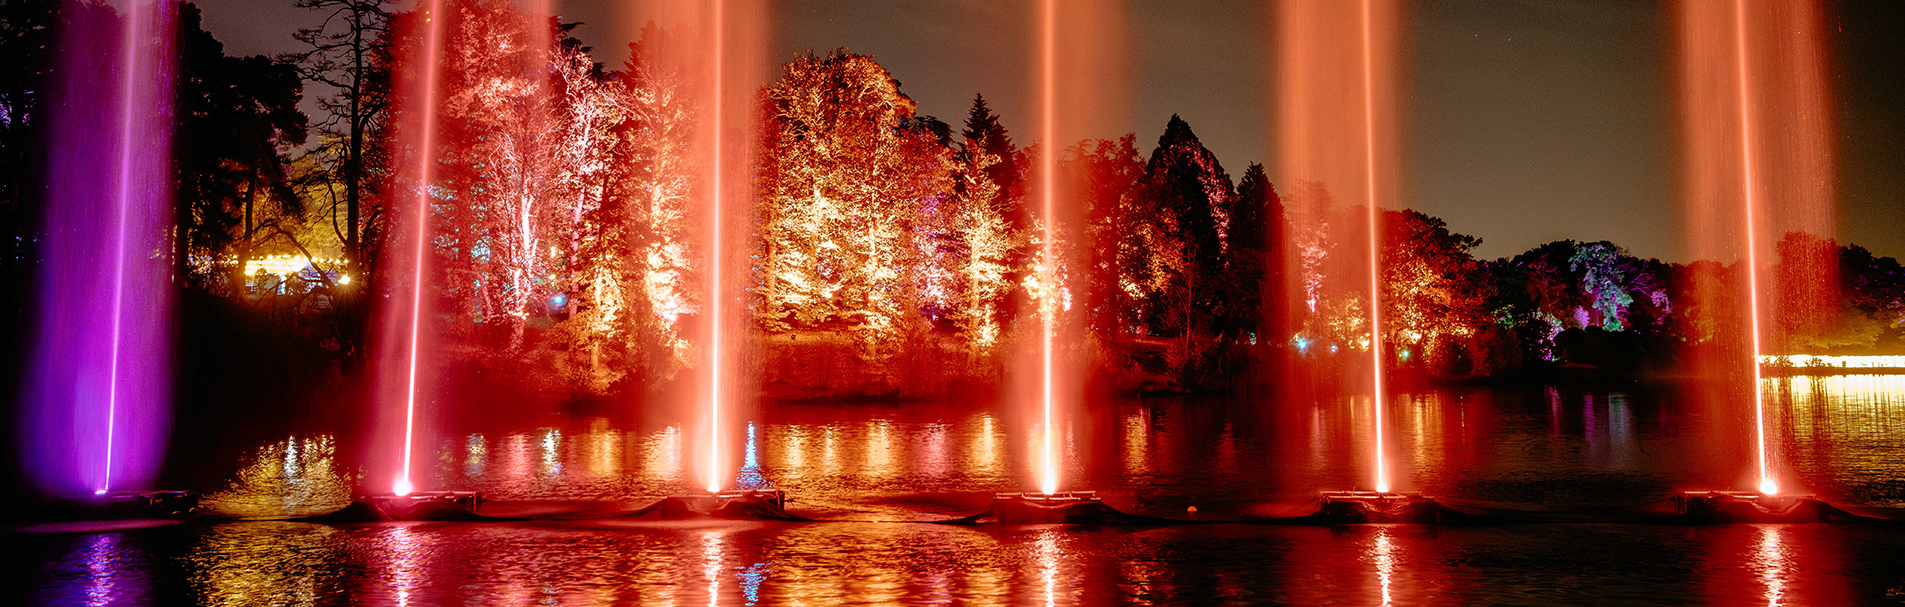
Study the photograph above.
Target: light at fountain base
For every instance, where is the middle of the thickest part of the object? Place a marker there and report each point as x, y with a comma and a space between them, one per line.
1040, 508
1063, 507
416, 506
740, 505
1363, 507
1751, 507
128, 504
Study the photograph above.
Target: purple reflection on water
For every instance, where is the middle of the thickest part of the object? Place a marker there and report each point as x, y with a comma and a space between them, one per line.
95, 401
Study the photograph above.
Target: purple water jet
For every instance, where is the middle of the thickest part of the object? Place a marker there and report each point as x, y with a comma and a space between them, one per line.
96, 401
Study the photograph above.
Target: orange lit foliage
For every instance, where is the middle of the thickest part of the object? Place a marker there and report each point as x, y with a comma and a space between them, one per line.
499, 165
988, 240
846, 169
631, 272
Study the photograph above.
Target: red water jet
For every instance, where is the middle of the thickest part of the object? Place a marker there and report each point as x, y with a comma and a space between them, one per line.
1757, 152
423, 132
1340, 133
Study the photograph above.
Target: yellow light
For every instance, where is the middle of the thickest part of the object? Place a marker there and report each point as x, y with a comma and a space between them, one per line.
343, 279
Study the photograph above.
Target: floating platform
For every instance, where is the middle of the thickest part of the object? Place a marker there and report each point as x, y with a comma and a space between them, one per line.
417, 506
126, 504
741, 505
1065, 507
1751, 507
1363, 507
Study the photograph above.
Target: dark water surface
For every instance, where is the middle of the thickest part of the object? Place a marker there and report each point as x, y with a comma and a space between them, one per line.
879, 472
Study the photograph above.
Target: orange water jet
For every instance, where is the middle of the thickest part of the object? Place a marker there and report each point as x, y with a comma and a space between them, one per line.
1341, 131
1757, 143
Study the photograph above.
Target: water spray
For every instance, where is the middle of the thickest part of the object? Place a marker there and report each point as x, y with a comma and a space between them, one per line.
1767, 486
1375, 252
403, 486
1048, 164
135, 22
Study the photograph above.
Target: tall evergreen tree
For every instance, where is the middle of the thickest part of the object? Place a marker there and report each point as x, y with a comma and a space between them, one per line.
1256, 256
983, 126
1187, 184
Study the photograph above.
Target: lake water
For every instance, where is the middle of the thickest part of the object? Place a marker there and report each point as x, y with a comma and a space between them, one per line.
878, 473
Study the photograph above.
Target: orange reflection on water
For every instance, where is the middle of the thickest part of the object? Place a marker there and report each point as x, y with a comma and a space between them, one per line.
790, 449
1382, 554
1842, 428
988, 447
711, 565
602, 448
934, 459
515, 450
1771, 563
1048, 556
829, 450
288, 478
880, 456
1137, 441
235, 564
663, 457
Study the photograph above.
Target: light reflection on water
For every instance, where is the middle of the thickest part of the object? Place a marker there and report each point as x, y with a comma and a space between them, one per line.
886, 463
885, 563
293, 477
1382, 554
1770, 560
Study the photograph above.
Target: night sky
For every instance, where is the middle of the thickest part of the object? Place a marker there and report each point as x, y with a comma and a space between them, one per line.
1526, 121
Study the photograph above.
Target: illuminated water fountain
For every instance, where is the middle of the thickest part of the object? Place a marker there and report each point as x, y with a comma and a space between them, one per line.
1757, 152
1337, 126
400, 369
96, 397
724, 65
1048, 505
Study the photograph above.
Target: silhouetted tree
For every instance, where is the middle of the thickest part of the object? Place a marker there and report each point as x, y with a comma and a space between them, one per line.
236, 121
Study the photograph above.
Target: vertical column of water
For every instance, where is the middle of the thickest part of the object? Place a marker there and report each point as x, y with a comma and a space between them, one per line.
1749, 190
1048, 168
716, 472
1336, 128
1375, 251
96, 400
426, 160
1756, 138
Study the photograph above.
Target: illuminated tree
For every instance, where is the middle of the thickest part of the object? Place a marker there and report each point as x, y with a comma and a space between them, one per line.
846, 170
640, 263
989, 242
349, 54
1435, 293
520, 153
1129, 250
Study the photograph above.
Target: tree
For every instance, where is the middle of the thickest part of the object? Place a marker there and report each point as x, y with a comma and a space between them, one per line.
1121, 236
983, 126
236, 121
989, 242
1190, 189
1435, 293
349, 55
1255, 257
844, 175
634, 277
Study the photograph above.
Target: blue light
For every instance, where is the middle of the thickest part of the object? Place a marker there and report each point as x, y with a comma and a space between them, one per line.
558, 300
